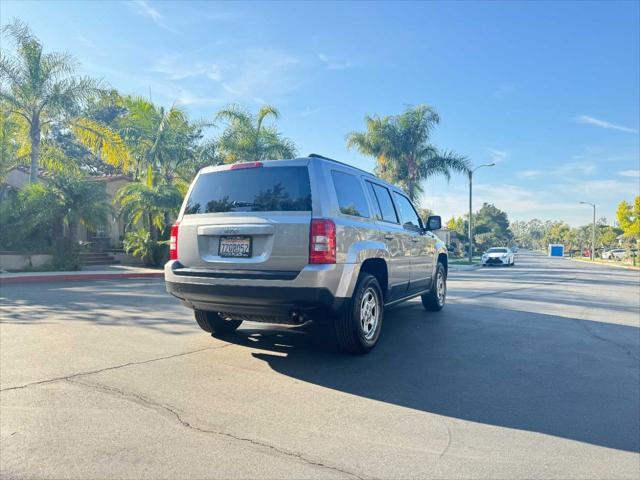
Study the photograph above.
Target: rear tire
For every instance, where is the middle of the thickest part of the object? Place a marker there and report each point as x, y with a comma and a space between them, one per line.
213, 323
357, 326
434, 300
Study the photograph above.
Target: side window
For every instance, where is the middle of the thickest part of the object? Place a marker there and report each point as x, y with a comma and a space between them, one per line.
374, 201
408, 214
383, 197
351, 199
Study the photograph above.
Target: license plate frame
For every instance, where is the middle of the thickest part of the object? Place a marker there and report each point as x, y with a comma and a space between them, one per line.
227, 241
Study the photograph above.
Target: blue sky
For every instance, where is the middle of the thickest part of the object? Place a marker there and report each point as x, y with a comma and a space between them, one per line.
549, 91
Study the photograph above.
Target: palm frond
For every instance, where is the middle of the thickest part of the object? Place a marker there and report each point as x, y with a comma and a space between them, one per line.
101, 141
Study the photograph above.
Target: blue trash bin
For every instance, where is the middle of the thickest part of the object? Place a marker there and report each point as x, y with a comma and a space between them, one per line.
556, 250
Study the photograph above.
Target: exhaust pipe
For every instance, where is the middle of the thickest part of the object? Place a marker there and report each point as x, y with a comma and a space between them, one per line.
298, 317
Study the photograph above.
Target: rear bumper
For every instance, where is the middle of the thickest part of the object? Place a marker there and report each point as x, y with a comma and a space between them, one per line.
259, 301
274, 294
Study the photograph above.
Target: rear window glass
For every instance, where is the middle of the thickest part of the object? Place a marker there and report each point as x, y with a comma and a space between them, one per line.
270, 189
351, 199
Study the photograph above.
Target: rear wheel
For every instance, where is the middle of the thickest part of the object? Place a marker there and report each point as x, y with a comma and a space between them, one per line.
435, 299
214, 324
357, 326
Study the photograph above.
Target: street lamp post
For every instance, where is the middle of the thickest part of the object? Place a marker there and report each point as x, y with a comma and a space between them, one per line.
593, 230
471, 208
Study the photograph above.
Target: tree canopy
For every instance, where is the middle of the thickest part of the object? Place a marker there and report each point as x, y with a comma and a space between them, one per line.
402, 149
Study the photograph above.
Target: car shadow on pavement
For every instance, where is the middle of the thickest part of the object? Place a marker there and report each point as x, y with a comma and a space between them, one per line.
140, 304
553, 375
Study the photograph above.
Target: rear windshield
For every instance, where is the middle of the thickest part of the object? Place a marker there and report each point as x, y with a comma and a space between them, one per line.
271, 189
497, 250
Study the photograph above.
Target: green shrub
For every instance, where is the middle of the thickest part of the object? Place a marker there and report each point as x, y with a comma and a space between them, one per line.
66, 255
140, 244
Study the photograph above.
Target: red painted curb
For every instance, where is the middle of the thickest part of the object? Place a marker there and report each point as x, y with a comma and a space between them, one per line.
74, 277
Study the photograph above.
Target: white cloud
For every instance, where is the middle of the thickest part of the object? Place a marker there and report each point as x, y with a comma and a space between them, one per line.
260, 74
175, 67
145, 9
497, 156
186, 97
257, 76
85, 41
603, 189
311, 111
568, 168
630, 173
529, 174
335, 63
584, 168
603, 123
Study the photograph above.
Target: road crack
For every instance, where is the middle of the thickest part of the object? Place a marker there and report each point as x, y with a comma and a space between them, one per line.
173, 412
114, 367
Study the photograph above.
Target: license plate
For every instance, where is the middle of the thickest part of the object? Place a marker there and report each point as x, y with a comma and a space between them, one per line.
235, 247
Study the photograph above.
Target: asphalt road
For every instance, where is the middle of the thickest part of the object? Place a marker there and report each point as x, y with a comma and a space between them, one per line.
529, 372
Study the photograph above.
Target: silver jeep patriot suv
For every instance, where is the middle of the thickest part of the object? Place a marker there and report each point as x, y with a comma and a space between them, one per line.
310, 239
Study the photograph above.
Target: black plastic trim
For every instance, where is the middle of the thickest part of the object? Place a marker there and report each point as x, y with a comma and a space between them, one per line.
237, 274
253, 299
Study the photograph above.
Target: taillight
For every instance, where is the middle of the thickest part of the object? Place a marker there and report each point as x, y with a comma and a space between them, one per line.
322, 241
173, 242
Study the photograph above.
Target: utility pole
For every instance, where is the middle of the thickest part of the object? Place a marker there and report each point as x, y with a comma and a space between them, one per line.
471, 208
593, 230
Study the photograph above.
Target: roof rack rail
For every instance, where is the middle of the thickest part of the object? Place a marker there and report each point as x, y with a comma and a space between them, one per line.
315, 155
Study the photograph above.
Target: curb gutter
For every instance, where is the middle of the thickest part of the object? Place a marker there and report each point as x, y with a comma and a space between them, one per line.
77, 277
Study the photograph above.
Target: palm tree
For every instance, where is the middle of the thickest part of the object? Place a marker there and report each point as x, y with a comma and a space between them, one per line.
400, 145
160, 141
68, 200
246, 138
42, 88
149, 205
83, 202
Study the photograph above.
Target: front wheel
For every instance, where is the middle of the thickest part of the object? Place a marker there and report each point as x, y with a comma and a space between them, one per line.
357, 326
215, 324
435, 299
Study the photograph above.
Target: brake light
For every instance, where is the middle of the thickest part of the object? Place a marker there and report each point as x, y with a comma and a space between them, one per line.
173, 242
239, 166
322, 241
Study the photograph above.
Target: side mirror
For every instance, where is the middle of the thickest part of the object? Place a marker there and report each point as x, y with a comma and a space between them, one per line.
434, 222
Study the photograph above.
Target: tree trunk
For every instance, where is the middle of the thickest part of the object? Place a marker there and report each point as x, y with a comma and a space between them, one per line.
411, 177
73, 231
34, 135
152, 228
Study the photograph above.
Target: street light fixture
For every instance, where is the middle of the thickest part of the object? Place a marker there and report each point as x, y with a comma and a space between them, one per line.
593, 231
471, 206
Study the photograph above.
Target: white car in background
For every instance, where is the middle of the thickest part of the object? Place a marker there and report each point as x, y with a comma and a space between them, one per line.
614, 254
498, 256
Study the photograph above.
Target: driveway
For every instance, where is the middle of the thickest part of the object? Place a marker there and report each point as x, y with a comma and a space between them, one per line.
531, 371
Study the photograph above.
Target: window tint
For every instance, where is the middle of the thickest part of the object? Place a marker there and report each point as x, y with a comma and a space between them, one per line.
268, 189
382, 197
408, 215
351, 199
377, 213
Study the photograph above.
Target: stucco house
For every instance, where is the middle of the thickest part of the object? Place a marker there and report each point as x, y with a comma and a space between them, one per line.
108, 236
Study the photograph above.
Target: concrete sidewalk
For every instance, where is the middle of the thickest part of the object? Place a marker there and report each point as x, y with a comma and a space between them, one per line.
107, 272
